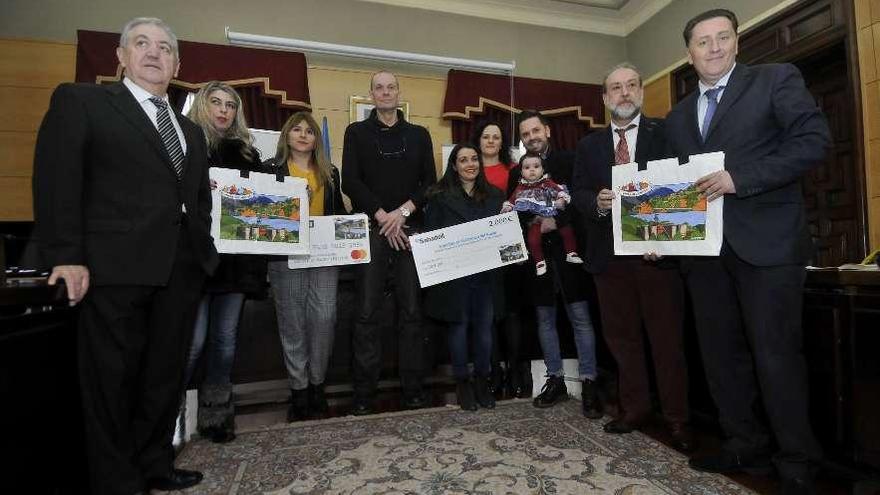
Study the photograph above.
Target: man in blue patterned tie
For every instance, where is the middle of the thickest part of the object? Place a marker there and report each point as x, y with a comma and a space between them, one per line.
748, 301
122, 208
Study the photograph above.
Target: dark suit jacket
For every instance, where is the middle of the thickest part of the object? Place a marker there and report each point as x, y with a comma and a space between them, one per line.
571, 282
592, 173
772, 133
105, 191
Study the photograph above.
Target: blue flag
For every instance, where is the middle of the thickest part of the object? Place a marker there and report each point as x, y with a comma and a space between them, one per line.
326, 133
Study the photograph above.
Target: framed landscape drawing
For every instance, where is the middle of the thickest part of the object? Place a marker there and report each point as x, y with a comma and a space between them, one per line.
361, 106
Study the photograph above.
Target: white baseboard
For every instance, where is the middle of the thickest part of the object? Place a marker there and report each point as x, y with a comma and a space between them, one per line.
572, 377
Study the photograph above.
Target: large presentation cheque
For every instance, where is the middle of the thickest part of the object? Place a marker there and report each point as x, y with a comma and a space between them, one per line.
468, 248
335, 240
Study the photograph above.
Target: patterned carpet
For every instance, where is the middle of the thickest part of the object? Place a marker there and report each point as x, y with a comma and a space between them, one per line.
515, 449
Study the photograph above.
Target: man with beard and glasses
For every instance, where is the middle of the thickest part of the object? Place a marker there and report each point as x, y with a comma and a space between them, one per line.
632, 291
561, 279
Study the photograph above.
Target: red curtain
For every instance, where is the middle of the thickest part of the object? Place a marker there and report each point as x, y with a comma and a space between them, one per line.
573, 109
272, 84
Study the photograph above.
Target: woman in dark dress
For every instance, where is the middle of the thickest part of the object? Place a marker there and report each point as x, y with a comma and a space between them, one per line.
217, 110
463, 195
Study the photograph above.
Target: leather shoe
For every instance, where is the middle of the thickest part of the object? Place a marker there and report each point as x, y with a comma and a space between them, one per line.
362, 407
179, 479
731, 462
623, 425
683, 438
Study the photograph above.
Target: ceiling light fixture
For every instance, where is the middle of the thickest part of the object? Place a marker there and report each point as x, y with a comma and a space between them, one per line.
258, 40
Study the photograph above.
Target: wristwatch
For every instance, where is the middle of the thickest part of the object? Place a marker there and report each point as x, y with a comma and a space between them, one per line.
404, 211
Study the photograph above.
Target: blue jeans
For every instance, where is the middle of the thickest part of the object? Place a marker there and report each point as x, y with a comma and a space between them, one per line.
217, 327
584, 338
478, 315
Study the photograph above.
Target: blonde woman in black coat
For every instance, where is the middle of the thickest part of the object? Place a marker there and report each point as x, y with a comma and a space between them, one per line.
217, 110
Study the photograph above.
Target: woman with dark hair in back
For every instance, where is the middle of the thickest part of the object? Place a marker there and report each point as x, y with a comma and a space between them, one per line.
494, 148
516, 379
305, 298
217, 110
463, 195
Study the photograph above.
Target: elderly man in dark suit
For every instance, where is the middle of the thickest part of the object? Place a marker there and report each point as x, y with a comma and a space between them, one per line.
748, 301
633, 292
122, 206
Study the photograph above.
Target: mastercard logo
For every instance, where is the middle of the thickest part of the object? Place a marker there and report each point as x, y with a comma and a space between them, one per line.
358, 254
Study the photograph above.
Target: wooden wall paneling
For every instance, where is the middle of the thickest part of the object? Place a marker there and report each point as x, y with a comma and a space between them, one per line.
867, 60
29, 71
658, 97
862, 13
874, 205
17, 153
16, 205
873, 175
813, 23
762, 45
36, 64
23, 107
872, 100
875, 47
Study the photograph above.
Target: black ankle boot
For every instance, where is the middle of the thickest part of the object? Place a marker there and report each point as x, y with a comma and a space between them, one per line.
496, 382
299, 405
590, 405
318, 400
465, 393
524, 370
553, 392
481, 390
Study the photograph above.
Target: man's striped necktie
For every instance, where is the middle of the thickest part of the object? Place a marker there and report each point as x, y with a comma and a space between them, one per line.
169, 135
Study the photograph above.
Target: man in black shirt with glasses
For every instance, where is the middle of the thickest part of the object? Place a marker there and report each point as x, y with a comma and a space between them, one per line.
387, 165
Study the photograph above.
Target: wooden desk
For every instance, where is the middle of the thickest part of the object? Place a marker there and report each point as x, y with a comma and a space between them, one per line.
41, 414
842, 345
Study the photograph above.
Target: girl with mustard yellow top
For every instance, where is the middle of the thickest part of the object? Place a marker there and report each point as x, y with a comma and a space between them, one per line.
305, 298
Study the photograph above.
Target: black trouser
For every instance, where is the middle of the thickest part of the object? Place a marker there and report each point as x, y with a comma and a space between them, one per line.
748, 321
387, 265
133, 345
509, 330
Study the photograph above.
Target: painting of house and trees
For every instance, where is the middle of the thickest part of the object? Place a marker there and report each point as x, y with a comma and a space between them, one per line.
668, 212
247, 215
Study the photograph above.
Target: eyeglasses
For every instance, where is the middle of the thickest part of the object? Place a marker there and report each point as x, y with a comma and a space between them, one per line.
391, 155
